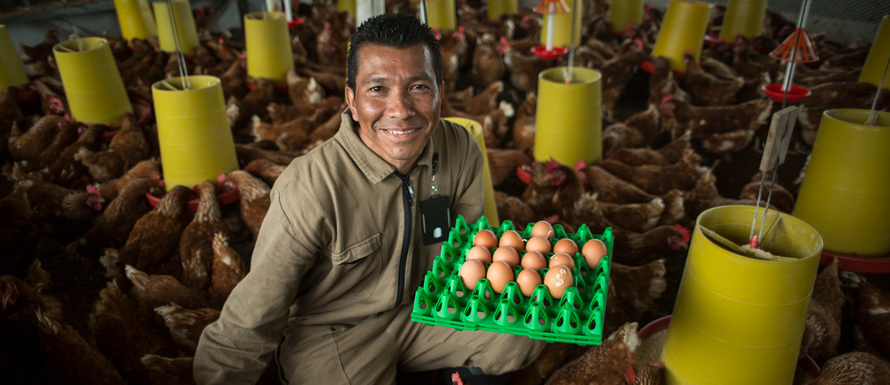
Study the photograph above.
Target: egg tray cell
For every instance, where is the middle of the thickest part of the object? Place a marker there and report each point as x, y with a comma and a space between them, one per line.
576, 318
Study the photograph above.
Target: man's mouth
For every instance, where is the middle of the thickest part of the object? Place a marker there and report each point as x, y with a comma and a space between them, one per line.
401, 132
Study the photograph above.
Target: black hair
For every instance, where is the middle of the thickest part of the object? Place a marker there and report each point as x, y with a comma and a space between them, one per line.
392, 30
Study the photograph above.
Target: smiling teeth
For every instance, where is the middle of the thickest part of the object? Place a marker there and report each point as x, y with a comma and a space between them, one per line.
402, 132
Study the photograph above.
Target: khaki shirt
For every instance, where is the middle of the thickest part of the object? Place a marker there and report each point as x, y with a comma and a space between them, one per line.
329, 250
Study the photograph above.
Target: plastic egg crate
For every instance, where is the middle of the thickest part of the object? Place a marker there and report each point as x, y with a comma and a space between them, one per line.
575, 318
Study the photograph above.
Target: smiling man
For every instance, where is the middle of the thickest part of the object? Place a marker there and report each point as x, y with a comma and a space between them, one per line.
352, 229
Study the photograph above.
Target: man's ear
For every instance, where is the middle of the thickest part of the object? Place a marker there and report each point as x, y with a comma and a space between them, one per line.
350, 101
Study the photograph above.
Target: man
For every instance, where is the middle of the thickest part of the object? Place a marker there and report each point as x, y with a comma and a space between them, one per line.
342, 249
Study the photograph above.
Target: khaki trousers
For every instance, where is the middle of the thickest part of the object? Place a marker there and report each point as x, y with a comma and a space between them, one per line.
371, 351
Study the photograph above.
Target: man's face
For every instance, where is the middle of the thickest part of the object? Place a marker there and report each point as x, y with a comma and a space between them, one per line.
396, 102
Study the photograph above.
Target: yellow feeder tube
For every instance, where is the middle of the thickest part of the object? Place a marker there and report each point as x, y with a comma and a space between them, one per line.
878, 55
623, 13
193, 132
498, 8
185, 26
12, 73
135, 18
569, 116
562, 26
269, 52
743, 17
441, 14
92, 83
475, 129
683, 29
740, 320
844, 192
347, 6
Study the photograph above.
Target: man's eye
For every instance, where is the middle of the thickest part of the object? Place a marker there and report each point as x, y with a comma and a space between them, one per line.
375, 89
419, 87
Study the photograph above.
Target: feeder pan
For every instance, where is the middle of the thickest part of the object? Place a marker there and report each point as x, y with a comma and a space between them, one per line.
141, 108
805, 364
553, 54
711, 40
795, 94
868, 265
295, 22
279, 88
224, 198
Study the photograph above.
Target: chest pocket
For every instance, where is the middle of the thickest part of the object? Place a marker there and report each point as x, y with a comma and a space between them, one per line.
358, 267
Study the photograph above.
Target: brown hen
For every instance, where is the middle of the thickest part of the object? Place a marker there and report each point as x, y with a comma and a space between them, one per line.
254, 199
854, 368
196, 243
153, 291
658, 180
186, 325
606, 364
227, 271
113, 227
155, 236
123, 336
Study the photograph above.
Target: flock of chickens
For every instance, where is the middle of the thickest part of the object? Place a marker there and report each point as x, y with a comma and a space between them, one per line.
99, 287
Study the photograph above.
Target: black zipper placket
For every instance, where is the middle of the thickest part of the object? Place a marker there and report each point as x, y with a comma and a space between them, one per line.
408, 203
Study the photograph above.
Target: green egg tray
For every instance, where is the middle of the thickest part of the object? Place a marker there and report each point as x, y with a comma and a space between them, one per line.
576, 318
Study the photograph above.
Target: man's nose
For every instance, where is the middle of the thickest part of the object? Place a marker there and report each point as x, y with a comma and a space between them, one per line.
400, 105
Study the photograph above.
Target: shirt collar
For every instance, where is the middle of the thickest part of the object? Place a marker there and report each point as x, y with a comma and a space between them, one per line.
375, 168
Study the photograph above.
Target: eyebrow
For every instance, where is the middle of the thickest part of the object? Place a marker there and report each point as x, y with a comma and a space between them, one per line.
382, 79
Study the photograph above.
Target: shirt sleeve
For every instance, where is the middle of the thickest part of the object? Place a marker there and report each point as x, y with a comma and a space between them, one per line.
237, 347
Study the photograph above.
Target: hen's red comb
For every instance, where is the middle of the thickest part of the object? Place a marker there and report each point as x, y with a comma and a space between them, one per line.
684, 232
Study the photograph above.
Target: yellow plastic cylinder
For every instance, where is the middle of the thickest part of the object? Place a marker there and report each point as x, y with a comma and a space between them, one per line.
844, 193
562, 26
877, 56
743, 17
498, 8
269, 52
193, 132
683, 29
441, 14
92, 82
347, 6
185, 26
475, 129
623, 13
569, 116
12, 73
135, 18
740, 320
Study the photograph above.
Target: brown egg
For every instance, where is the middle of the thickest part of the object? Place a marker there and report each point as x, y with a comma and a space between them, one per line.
539, 244
470, 272
558, 279
486, 238
533, 260
513, 239
499, 273
543, 229
506, 254
565, 245
527, 280
480, 253
594, 251
562, 259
